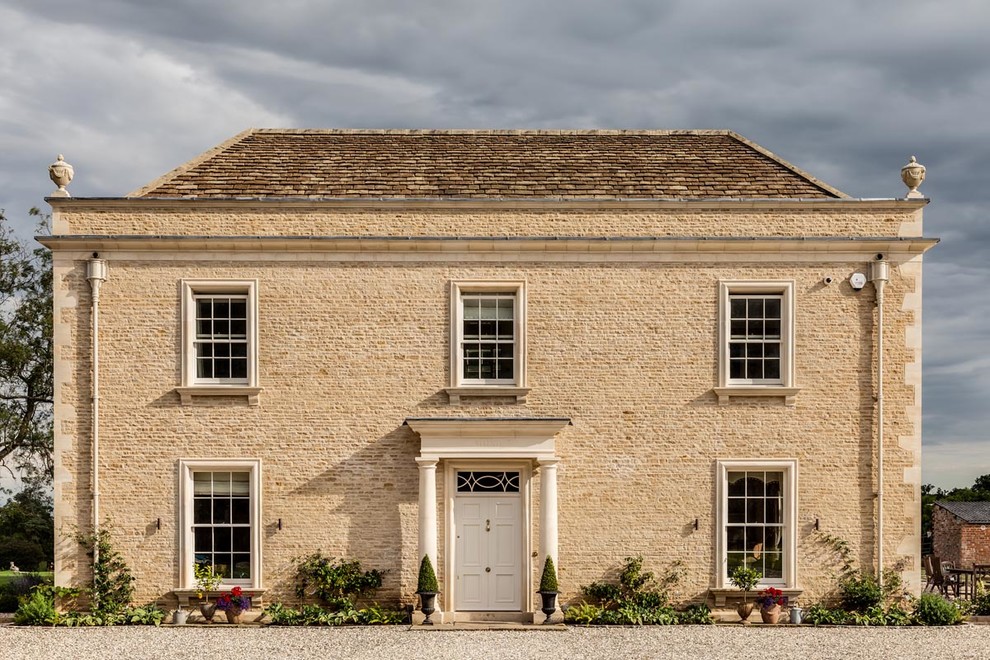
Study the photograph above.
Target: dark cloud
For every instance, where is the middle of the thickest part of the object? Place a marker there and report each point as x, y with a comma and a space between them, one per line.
847, 90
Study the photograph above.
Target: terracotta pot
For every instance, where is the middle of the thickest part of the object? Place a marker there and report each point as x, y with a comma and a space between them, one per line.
208, 610
234, 614
744, 610
770, 614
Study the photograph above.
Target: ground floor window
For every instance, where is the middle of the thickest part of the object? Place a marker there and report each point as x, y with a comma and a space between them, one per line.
756, 518
220, 520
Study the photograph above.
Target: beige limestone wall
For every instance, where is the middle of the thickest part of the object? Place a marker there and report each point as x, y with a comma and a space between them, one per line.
347, 351
845, 219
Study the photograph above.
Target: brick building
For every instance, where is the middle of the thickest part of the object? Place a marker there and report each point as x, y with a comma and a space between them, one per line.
488, 347
961, 532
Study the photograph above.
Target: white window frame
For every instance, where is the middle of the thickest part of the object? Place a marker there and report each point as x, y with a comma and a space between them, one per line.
788, 516
187, 578
193, 386
785, 385
458, 290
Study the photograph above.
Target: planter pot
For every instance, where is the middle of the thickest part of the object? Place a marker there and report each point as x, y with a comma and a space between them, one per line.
427, 602
234, 615
208, 610
770, 614
549, 603
179, 617
744, 610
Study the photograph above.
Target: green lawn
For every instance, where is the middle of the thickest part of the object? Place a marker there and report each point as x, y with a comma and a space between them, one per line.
9, 576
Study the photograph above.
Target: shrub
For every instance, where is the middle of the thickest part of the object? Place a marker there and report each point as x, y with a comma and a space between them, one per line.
640, 598
818, 614
548, 581
933, 610
314, 615
860, 592
337, 583
375, 614
38, 609
696, 614
427, 582
583, 613
981, 605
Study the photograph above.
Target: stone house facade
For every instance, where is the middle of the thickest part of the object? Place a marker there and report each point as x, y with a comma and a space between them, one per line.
488, 347
961, 532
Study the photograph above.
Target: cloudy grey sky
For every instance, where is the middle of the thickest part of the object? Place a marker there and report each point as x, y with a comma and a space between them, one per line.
848, 90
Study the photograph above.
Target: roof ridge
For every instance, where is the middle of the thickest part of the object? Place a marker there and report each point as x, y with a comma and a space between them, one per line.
188, 165
490, 131
793, 168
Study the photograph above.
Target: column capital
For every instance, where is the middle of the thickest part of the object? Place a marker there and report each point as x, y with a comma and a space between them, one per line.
548, 462
426, 463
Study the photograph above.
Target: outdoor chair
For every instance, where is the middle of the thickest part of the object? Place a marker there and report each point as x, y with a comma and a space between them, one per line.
926, 563
937, 577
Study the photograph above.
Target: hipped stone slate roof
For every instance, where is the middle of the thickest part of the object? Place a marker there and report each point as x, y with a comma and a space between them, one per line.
977, 513
455, 164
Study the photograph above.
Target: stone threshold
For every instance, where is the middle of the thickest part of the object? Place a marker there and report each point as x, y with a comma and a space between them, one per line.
488, 625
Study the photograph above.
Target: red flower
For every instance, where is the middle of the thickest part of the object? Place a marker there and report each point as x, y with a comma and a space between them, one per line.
236, 591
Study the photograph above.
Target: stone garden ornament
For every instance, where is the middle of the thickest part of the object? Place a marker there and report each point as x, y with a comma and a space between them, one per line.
912, 175
61, 174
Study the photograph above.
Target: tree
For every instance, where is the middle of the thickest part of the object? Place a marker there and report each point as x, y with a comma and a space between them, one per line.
27, 530
25, 356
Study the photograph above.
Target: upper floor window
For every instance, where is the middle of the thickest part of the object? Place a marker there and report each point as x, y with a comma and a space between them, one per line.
221, 341
488, 334
219, 337
756, 338
488, 338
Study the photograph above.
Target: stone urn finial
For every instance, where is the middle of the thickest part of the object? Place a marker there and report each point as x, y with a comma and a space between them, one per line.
912, 175
61, 174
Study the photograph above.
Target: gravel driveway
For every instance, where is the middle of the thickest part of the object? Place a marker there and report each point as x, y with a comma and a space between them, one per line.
693, 642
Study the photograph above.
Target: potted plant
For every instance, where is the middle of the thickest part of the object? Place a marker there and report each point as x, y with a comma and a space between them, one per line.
427, 588
207, 580
770, 601
745, 578
548, 588
233, 603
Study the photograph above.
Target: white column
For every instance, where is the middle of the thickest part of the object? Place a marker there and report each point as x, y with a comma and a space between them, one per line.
427, 511
548, 511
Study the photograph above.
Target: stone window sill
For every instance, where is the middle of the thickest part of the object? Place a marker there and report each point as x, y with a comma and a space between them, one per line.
456, 393
725, 597
787, 393
188, 597
186, 394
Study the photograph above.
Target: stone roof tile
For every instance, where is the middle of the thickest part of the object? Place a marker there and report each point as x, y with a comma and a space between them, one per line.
487, 164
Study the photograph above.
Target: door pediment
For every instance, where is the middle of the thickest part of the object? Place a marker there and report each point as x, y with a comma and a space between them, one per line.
487, 437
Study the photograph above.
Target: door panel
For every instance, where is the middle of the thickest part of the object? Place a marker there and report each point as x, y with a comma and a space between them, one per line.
487, 553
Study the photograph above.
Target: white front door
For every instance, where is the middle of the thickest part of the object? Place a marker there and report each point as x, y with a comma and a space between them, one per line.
488, 552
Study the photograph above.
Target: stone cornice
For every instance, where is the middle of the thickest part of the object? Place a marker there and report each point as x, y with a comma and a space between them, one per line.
292, 204
461, 247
